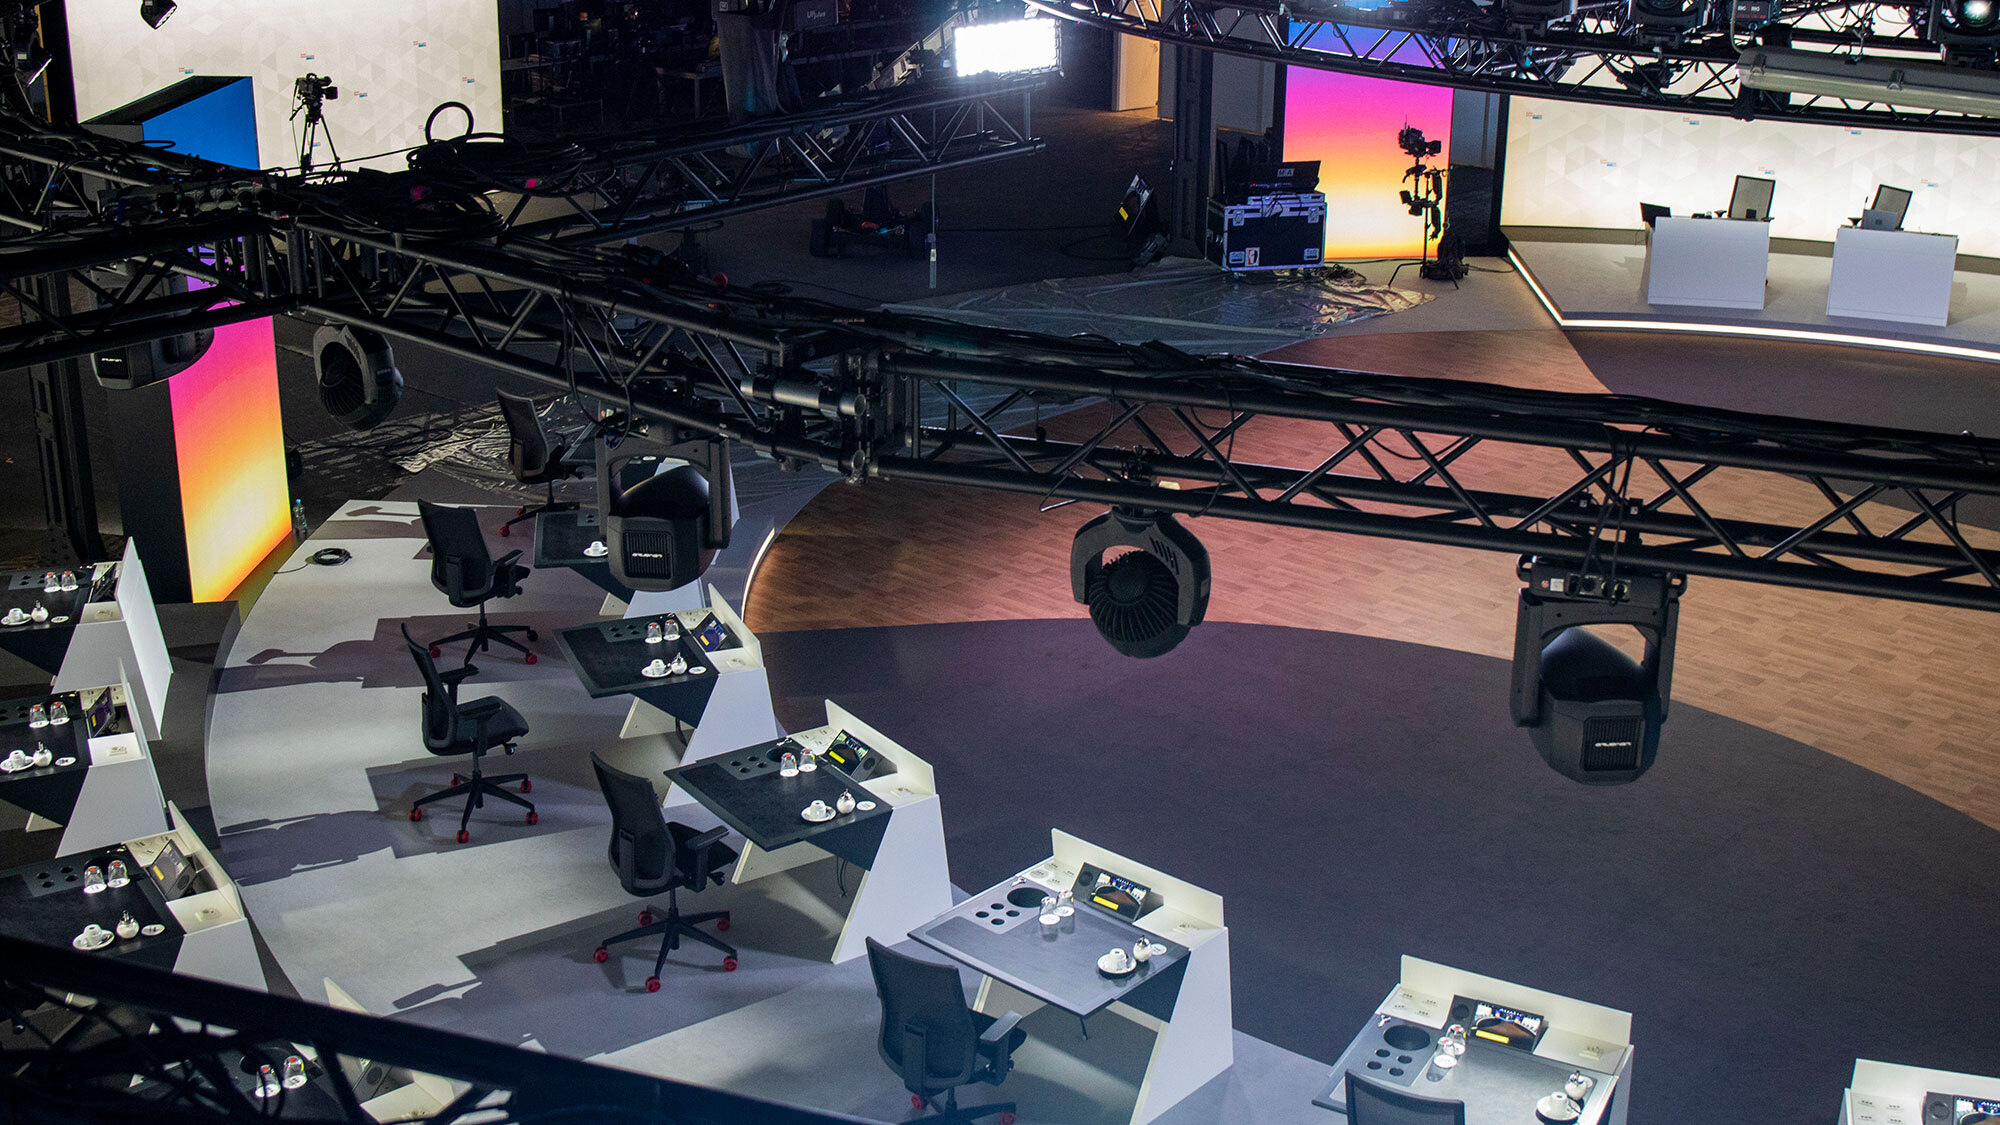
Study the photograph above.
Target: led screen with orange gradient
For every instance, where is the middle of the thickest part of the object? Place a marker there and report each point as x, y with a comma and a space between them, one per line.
1349, 124
228, 440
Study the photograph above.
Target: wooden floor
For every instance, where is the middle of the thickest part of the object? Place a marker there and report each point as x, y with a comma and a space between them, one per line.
1906, 690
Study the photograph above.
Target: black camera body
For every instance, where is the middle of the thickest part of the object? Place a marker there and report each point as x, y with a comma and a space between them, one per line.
1412, 141
313, 88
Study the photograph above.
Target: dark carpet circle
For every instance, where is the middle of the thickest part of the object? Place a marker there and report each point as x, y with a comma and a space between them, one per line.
1766, 911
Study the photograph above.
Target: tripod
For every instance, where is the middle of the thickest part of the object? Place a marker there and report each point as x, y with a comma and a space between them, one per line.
1426, 201
311, 93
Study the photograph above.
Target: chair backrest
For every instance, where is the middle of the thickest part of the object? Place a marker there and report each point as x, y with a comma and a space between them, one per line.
922, 993
461, 567
440, 710
638, 829
527, 443
1371, 1103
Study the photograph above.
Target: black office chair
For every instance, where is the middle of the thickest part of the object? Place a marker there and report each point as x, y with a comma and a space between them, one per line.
464, 572
472, 727
935, 1040
653, 854
1371, 1103
534, 459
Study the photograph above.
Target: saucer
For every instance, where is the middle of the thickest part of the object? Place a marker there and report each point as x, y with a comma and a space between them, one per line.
59, 619
154, 930
696, 670
662, 674
80, 942
1557, 1107
831, 812
65, 761
864, 806
596, 551
1104, 966
10, 767
22, 620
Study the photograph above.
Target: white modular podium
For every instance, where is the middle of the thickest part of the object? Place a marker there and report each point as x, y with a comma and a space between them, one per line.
1895, 275
1709, 263
739, 713
1888, 1094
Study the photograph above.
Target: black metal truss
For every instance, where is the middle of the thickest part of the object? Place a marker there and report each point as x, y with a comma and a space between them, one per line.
1599, 54
636, 186
1615, 480
102, 1039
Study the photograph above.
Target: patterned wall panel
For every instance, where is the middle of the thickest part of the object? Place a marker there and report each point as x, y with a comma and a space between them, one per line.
1572, 165
393, 60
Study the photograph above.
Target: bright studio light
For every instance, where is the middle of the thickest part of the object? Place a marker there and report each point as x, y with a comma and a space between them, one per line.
1008, 47
1977, 11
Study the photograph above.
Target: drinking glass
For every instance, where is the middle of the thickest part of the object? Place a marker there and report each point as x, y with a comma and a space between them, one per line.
653, 634
58, 713
808, 762
38, 716
295, 1072
1066, 904
50, 583
68, 580
1049, 915
788, 766
117, 876
93, 880
267, 1082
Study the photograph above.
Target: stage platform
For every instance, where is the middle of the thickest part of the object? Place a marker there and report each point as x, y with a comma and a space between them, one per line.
1594, 279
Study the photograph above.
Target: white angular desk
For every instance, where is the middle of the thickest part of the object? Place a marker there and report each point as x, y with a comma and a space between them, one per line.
1890, 1094
1895, 275
1710, 263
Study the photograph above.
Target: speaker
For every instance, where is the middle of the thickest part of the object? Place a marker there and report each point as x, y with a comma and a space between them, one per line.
358, 381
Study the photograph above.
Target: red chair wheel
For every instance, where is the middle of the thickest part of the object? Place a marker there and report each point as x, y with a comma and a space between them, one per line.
521, 511
722, 923
1006, 1119
531, 658
416, 814
600, 955
527, 785
436, 652
729, 964
505, 531
652, 984
645, 917
532, 818
916, 1101
463, 835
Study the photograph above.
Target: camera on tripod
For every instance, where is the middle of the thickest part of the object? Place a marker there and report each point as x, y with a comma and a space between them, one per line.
313, 88
1413, 142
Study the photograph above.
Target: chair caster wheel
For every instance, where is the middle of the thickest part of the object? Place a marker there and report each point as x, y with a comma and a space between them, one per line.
463, 835
531, 659
436, 652
722, 923
416, 814
652, 984
916, 1101
600, 955
729, 964
527, 785
1006, 1119
534, 636
505, 531
522, 511
645, 917
532, 818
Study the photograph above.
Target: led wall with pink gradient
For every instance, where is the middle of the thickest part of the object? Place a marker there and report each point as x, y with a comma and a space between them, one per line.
1349, 124
229, 445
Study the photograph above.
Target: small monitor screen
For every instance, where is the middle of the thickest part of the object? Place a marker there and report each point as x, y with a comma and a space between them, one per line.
1752, 198
1106, 891
851, 754
1507, 1026
1892, 199
171, 870
712, 634
1975, 1111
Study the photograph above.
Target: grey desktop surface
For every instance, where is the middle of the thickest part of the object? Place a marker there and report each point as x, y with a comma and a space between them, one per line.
52, 790
45, 902
747, 790
1499, 1085
560, 540
607, 657
1055, 964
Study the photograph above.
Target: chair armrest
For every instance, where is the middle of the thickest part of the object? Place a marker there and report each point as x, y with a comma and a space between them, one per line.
916, 1057
701, 847
507, 559
707, 839
999, 1037
457, 675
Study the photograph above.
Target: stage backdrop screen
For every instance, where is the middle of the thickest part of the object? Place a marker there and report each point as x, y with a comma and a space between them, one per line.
1590, 166
229, 444
392, 60
1349, 124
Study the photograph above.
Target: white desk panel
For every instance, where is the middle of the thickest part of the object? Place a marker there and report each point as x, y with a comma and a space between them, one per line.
1895, 275
1711, 263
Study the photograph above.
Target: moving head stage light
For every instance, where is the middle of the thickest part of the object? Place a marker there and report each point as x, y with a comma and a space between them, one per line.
358, 381
663, 528
1594, 712
1146, 599
138, 365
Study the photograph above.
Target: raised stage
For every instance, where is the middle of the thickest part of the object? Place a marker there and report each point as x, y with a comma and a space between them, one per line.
1595, 279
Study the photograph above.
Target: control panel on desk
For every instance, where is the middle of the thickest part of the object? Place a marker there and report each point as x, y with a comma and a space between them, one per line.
1957, 1109
1874, 1109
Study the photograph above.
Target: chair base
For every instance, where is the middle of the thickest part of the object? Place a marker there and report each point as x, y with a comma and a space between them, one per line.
484, 634
550, 505
672, 928
475, 790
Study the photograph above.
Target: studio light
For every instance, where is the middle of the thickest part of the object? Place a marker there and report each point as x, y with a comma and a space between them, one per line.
358, 381
1965, 27
1594, 712
663, 529
1006, 47
155, 12
139, 365
1914, 85
1668, 17
1145, 599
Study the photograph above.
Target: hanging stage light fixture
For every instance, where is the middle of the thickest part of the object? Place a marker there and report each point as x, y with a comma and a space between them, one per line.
1146, 599
358, 381
155, 12
662, 530
1594, 713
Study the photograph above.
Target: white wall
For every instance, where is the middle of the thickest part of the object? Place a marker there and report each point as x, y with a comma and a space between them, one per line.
393, 61
1572, 165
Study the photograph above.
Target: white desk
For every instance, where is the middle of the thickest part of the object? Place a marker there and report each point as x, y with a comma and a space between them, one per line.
1895, 275
120, 640
1887, 1094
1710, 263
739, 712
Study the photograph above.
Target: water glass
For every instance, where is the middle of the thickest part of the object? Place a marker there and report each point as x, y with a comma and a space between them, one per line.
267, 1082
1049, 915
1066, 904
68, 580
58, 713
38, 716
808, 762
295, 1072
653, 634
50, 583
788, 766
93, 880
117, 876
673, 629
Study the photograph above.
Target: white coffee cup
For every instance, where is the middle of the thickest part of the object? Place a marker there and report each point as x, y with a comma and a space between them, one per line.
18, 759
94, 933
15, 616
818, 809
1120, 959
657, 668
